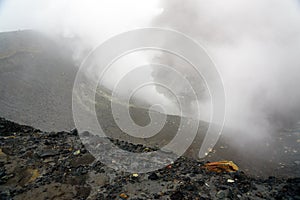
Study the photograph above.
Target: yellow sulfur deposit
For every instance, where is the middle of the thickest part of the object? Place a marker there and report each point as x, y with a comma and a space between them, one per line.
221, 166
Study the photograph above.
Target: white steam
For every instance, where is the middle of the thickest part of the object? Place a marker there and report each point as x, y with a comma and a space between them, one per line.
91, 20
255, 44
87, 23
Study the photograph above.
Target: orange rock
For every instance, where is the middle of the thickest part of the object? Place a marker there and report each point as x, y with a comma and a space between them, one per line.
221, 166
123, 196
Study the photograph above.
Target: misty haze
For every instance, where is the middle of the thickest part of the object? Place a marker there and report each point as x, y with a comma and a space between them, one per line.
151, 99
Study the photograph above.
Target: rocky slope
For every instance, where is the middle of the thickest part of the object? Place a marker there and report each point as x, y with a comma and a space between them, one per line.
55, 165
36, 81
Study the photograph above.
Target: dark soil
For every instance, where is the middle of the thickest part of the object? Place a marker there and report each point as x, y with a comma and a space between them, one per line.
47, 165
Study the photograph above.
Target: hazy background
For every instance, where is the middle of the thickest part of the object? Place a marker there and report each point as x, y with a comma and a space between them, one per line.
255, 45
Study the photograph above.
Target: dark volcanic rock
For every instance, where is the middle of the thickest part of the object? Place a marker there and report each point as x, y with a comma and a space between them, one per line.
47, 153
153, 176
56, 172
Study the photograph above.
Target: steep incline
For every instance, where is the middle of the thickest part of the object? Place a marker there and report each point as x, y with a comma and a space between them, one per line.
36, 79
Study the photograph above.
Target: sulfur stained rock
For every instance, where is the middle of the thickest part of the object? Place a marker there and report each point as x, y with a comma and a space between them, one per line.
26, 176
221, 166
3, 157
124, 196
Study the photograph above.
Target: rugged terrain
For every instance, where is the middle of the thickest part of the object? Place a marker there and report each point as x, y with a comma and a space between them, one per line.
36, 81
55, 165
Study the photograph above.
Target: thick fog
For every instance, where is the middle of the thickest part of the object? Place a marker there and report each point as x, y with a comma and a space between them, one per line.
88, 23
255, 45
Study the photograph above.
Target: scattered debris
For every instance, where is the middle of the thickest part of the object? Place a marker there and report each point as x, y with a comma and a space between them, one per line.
61, 175
47, 153
221, 194
10, 137
76, 153
230, 181
146, 149
153, 176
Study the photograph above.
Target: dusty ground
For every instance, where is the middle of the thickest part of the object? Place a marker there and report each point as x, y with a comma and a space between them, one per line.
47, 165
